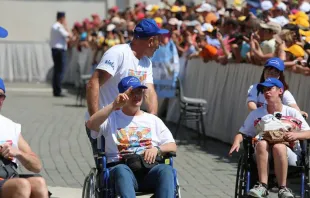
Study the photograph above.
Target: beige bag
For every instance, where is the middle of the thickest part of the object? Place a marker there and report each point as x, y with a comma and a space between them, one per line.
274, 137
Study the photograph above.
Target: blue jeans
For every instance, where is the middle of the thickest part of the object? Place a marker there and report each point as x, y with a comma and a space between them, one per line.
159, 179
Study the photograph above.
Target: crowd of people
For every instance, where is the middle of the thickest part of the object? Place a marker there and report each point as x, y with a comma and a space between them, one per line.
245, 32
273, 34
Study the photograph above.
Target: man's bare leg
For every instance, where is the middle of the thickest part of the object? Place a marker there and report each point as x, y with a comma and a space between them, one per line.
38, 187
16, 188
262, 154
280, 163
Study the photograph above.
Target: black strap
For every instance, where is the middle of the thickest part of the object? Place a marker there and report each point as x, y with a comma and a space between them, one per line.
111, 164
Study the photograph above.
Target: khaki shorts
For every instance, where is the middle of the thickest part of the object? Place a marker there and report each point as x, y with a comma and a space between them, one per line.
291, 156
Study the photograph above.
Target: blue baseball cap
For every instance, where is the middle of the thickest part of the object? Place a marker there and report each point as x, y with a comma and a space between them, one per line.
276, 63
130, 81
3, 32
147, 28
2, 85
270, 82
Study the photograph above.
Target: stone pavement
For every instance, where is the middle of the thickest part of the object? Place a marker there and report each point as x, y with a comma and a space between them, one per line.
54, 128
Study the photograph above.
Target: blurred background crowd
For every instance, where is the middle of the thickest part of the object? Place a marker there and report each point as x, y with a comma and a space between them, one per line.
246, 32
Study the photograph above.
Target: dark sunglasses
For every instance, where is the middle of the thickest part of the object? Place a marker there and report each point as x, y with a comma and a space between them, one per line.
2, 96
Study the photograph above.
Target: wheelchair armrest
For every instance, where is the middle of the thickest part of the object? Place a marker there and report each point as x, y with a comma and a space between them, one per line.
170, 154
99, 154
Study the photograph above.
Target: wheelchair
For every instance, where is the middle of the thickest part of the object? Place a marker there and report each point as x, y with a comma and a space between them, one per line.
96, 183
247, 175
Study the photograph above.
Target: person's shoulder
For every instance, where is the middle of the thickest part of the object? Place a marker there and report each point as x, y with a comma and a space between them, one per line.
117, 51
119, 47
252, 87
152, 117
286, 92
56, 25
261, 111
6, 120
145, 61
290, 110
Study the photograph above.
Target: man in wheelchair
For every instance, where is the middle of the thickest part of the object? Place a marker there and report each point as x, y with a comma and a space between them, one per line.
282, 154
133, 136
14, 147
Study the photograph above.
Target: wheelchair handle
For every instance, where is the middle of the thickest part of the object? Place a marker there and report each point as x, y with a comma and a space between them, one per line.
170, 154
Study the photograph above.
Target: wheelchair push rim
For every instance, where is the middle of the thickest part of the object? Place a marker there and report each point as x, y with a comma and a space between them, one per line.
89, 187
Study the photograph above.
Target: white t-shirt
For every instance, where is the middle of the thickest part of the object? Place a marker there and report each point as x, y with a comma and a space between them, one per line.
305, 6
281, 20
268, 46
120, 62
9, 132
248, 126
58, 36
133, 133
260, 100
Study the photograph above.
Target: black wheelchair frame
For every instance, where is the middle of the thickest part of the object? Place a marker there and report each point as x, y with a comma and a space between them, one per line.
247, 175
96, 183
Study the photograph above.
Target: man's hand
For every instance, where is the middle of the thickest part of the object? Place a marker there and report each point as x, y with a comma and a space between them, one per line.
305, 114
234, 147
150, 155
122, 99
291, 136
7, 151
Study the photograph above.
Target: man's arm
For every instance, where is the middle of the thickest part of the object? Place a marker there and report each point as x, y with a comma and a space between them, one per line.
92, 89
252, 106
150, 98
99, 117
27, 157
169, 147
96, 120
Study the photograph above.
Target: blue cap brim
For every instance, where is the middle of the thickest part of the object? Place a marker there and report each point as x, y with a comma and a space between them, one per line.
163, 31
139, 86
260, 86
266, 84
3, 32
277, 67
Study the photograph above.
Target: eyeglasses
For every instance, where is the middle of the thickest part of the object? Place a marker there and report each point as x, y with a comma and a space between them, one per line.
2, 97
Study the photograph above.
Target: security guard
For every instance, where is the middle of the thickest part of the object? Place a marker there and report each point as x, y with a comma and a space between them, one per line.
59, 35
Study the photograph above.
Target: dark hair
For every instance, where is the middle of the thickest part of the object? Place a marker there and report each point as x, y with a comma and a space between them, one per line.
281, 78
231, 22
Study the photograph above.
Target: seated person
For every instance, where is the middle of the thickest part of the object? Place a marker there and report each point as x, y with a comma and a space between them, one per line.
282, 154
14, 147
127, 129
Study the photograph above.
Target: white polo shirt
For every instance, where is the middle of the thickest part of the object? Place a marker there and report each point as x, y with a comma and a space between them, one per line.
58, 36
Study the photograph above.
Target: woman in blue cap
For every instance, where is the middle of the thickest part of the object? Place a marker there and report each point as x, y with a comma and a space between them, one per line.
273, 68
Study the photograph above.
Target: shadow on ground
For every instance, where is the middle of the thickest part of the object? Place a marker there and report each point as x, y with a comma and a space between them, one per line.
187, 136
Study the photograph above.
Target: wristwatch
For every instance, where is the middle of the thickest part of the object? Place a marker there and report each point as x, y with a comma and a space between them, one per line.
159, 152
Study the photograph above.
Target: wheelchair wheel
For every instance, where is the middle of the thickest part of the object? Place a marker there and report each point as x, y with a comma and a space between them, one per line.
240, 187
89, 187
178, 190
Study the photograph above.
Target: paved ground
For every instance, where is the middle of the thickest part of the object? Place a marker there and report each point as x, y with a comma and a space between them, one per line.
54, 128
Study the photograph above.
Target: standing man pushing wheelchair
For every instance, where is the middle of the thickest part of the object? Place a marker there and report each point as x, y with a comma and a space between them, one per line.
132, 135
125, 60
282, 154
